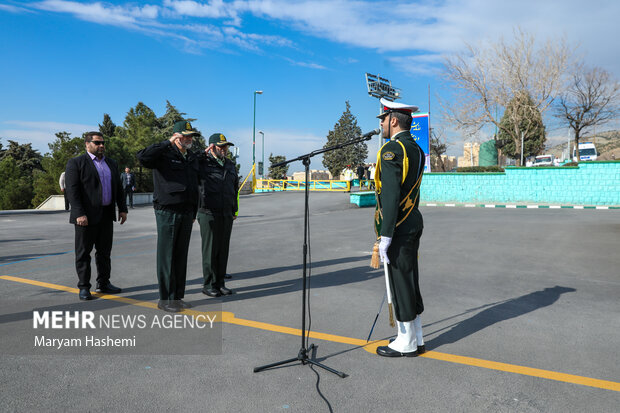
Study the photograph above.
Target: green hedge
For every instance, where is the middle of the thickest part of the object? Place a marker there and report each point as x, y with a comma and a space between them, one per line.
492, 168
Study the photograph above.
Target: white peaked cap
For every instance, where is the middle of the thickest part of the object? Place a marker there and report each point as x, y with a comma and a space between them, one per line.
388, 107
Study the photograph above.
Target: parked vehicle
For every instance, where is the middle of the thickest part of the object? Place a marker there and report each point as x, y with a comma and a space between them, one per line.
587, 152
544, 160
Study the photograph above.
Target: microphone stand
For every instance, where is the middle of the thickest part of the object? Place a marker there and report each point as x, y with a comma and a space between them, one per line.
302, 355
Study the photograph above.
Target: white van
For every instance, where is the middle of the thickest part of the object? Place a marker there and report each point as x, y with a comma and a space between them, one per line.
544, 160
587, 152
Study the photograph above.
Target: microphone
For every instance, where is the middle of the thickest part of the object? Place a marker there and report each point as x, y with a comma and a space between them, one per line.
370, 134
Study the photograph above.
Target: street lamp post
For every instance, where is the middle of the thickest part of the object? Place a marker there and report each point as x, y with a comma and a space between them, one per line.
263, 152
256, 92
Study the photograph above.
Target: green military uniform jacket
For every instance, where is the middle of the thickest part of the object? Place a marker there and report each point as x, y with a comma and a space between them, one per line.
400, 164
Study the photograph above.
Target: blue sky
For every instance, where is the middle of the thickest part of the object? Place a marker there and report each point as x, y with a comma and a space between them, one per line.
65, 63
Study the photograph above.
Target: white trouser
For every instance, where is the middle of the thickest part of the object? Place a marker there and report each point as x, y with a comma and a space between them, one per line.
405, 341
409, 336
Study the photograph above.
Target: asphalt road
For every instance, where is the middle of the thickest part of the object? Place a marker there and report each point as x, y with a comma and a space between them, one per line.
522, 314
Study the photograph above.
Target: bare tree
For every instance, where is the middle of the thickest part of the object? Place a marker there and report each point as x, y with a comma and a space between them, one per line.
438, 146
486, 79
591, 99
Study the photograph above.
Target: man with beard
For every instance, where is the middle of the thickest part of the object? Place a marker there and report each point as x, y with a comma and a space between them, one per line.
175, 199
399, 224
94, 190
217, 210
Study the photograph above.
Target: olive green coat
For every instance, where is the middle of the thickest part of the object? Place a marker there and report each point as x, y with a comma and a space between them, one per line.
398, 179
400, 164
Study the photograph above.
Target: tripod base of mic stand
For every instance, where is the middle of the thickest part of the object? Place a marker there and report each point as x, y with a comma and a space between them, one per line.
303, 358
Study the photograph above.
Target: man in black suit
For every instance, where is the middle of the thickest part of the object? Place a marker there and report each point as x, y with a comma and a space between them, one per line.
129, 185
94, 189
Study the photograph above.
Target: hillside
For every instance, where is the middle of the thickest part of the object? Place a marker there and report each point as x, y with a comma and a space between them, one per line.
607, 143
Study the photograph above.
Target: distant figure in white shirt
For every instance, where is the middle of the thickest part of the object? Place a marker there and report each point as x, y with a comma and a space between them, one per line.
61, 182
372, 169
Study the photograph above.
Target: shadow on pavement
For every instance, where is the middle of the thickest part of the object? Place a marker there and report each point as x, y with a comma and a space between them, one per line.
21, 240
28, 257
329, 279
256, 274
494, 313
505, 310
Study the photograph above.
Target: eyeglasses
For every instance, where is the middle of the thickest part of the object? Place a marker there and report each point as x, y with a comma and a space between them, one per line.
97, 143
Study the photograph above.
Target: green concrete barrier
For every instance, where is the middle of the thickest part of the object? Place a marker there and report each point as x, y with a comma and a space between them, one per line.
590, 183
363, 199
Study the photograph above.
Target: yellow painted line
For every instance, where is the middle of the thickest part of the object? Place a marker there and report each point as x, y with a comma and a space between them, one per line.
77, 291
228, 317
231, 319
527, 371
126, 300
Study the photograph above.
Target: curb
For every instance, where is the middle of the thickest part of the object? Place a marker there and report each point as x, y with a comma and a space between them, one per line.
523, 206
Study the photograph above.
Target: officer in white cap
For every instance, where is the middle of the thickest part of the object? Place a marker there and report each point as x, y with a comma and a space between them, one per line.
398, 224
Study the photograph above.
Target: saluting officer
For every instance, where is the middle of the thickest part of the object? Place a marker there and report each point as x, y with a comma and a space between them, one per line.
398, 222
218, 208
175, 199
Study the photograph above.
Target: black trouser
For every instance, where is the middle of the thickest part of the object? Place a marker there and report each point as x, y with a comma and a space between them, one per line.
64, 193
174, 230
403, 271
128, 196
215, 233
100, 236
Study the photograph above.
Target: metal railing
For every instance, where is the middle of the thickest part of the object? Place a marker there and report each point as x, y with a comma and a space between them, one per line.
268, 185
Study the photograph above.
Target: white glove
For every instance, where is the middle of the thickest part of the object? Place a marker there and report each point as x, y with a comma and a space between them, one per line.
383, 248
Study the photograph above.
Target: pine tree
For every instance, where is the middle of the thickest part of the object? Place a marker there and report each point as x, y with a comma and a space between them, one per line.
63, 148
26, 158
522, 108
107, 127
139, 127
167, 121
19, 163
278, 172
116, 147
345, 130
15, 188
165, 124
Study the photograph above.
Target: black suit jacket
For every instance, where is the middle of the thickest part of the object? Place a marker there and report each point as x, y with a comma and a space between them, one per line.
132, 180
84, 189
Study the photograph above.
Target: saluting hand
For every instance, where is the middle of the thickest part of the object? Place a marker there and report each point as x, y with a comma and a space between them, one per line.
175, 137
